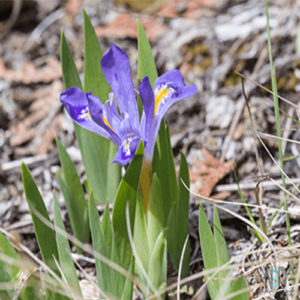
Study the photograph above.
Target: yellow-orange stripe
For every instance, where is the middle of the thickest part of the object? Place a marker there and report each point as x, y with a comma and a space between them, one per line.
106, 122
162, 92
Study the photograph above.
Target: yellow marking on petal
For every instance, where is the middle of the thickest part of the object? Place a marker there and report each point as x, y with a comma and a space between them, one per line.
106, 122
88, 115
160, 95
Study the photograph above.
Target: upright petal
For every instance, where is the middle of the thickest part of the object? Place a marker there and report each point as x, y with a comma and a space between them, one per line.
76, 104
147, 97
116, 69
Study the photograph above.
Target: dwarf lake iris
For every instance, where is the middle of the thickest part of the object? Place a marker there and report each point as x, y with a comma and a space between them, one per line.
118, 119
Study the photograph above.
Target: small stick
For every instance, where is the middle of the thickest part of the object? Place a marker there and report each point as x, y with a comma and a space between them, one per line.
8, 166
252, 185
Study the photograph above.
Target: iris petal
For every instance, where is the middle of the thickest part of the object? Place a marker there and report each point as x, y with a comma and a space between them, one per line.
76, 104
116, 69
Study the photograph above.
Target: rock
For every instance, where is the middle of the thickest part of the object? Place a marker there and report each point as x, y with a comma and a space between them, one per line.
219, 112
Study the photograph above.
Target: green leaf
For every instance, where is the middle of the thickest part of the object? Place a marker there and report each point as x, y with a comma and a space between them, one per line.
158, 263
69, 70
208, 249
215, 254
44, 234
77, 215
93, 76
141, 235
128, 287
7, 249
146, 65
127, 192
163, 166
102, 243
94, 149
237, 285
178, 223
221, 247
7, 271
78, 202
64, 251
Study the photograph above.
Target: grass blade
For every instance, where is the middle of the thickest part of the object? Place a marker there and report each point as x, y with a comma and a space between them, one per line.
44, 234
64, 252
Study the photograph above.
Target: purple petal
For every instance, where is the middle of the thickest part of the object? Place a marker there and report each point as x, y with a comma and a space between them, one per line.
126, 150
168, 77
116, 69
99, 116
76, 104
147, 98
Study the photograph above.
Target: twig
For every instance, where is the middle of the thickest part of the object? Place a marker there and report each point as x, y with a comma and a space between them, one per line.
17, 6
5, 167
252, 185
232, 128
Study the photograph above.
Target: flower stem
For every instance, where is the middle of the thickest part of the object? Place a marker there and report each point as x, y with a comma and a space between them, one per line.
145, 183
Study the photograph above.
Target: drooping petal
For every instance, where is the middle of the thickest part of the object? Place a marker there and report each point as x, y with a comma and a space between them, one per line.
76, 104
170, 76
126, 150
147, 97
168, 89
116, 69
99, 116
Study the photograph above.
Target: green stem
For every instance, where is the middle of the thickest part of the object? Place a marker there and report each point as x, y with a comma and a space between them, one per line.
277, 117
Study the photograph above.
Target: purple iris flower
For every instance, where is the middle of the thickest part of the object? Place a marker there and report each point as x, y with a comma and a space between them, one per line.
118, 119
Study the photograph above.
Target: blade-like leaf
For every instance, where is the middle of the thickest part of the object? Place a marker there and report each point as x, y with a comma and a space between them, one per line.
93, 76
221, 247
7, 271
64, 251
102, 243
146, 65
96, 151
69, 70
7, 249
163, 166
44, 234
78, 203
141, 235
127, 192
77, 216
208, 249
178, 222
158, 263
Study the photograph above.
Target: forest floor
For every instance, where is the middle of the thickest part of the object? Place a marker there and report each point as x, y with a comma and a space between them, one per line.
209, 41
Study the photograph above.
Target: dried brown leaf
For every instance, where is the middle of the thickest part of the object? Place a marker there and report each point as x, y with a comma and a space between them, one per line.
39, 127
207, 171
29, 73
124, 26
187, 8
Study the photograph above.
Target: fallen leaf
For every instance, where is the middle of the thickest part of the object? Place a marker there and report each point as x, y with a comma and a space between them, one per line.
207, 171
39, 127
29, 73
186, 8
124, 26
73, 7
